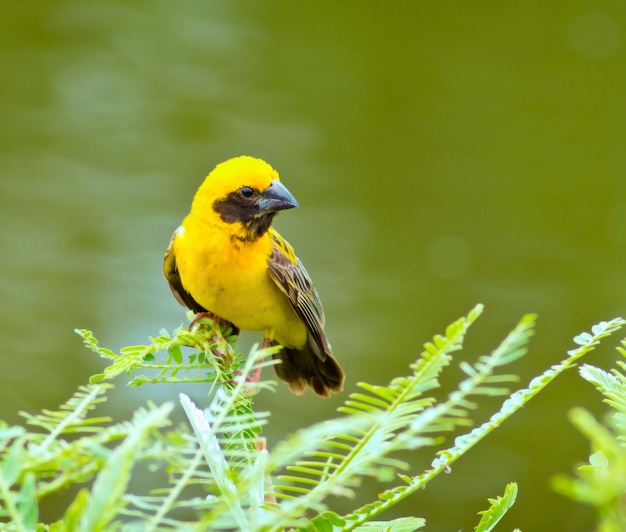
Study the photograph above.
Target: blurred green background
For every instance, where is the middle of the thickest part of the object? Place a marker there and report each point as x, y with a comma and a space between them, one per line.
443, 154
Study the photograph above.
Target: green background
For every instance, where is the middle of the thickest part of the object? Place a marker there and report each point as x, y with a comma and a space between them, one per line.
442, 155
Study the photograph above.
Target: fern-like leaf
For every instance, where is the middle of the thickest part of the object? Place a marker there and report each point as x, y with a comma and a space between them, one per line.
72, 415
383, 420
508, 350
499, 507
106, 499
611, 385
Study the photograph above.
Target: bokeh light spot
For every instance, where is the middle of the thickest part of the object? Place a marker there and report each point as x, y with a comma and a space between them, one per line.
594, 35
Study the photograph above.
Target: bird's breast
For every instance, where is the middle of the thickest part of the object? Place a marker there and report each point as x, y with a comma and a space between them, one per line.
230, 278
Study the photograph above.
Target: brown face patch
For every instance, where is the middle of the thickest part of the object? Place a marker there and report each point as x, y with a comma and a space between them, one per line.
235, 208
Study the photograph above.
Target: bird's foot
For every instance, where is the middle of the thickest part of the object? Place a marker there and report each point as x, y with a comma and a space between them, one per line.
201, 315
218, 322
219, 325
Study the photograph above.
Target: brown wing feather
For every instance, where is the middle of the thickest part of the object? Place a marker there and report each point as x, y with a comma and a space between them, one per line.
290, 276
170, 270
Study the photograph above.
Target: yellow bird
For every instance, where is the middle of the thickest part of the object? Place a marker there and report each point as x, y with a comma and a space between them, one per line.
226, 259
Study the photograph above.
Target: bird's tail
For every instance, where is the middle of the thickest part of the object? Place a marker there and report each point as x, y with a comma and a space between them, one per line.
301, 367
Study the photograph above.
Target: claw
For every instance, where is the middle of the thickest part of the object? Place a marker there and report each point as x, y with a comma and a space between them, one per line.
217, 322
201, 315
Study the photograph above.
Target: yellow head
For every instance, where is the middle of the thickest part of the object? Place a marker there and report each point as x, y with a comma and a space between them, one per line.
244, 192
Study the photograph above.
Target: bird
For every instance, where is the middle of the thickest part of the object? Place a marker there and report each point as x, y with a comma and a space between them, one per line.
226, 259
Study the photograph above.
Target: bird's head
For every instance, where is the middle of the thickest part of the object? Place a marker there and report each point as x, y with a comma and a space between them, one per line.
245, 192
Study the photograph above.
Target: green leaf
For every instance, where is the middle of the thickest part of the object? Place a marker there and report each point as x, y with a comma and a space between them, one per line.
499, 506
611, 385
27, 505
75, 510
107, 495
176, 353
216, 459
11, 465
327, 522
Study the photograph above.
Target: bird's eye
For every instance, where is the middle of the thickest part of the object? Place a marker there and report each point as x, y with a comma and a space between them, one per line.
246, 192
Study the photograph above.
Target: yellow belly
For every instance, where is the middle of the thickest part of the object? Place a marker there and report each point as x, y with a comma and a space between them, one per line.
231, 280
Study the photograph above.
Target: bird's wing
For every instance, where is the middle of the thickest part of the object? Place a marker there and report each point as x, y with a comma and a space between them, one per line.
170, 270
290, 276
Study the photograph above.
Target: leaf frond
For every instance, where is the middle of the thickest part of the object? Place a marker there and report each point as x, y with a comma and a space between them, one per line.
499, 507
220, 475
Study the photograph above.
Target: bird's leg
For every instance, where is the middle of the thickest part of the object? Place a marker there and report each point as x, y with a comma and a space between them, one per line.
218, 322
256, 375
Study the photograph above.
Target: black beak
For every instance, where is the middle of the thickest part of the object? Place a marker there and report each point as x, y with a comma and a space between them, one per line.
275, 198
